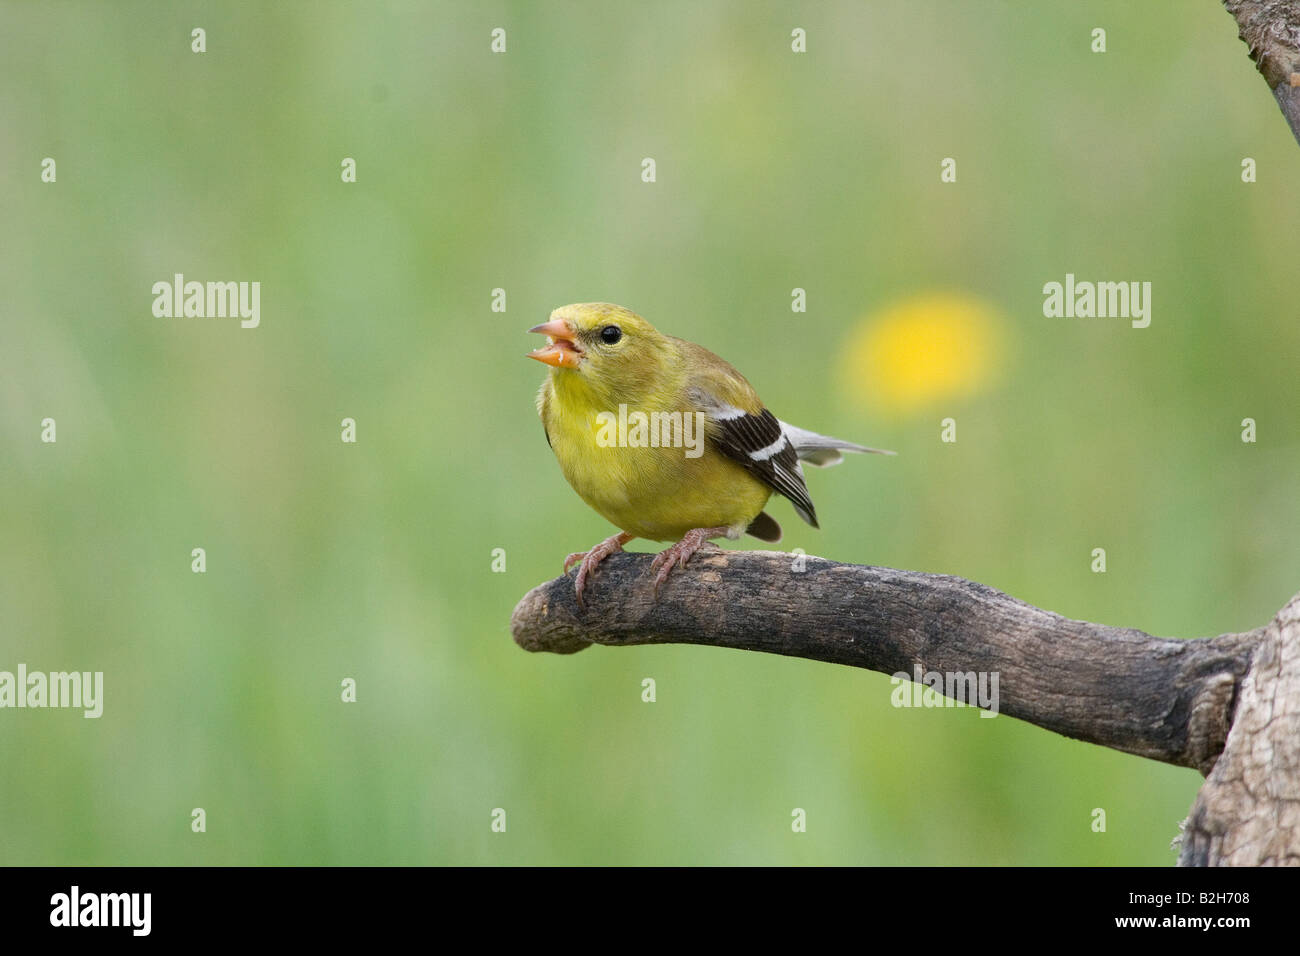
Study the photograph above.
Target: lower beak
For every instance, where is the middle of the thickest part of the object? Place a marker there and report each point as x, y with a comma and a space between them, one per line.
560, 351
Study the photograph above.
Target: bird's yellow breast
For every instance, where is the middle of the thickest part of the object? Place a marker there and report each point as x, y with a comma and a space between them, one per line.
658, 493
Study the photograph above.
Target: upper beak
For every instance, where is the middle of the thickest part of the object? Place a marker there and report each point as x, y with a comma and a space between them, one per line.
561, 351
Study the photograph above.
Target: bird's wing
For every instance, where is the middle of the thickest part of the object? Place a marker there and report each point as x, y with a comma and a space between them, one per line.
543, 402
760, 444
822, 450
743, 430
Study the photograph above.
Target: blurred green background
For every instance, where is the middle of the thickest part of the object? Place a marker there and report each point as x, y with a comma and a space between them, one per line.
522, 171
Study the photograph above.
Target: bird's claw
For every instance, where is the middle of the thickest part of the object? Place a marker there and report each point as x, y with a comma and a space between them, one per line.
666, 560
592, 558
584, 571
678, 554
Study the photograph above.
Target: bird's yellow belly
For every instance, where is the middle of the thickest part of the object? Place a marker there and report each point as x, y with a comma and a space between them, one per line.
658, 493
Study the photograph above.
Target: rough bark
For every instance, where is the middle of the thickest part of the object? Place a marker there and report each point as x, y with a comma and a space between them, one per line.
1248, 812
1170, 700
1271, 29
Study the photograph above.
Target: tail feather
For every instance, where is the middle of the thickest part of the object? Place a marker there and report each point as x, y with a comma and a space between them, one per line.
764, 528
823, 450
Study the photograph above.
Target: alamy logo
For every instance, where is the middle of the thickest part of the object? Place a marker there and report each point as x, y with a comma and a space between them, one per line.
82, 689
75, 908
1102, 300
951, 689
653, 430
208, 300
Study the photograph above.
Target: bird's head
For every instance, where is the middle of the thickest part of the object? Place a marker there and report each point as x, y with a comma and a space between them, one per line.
612, 348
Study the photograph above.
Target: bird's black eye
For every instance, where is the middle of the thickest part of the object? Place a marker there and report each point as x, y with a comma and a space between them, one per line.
610, 334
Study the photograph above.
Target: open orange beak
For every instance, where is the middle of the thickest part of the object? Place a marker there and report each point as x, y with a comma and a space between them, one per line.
561, 351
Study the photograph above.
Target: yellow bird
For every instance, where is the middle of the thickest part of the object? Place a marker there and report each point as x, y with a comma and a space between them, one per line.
665, 439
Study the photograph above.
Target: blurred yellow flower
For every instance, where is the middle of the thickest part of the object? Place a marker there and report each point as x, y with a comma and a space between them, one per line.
921, 350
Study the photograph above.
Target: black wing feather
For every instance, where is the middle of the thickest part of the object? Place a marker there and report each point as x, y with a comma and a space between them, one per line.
741, 437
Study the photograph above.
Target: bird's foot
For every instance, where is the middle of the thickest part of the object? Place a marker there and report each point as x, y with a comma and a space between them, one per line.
680, 553
590, 559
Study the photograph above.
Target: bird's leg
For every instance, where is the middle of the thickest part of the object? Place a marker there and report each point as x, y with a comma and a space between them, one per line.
681, 552
590, 559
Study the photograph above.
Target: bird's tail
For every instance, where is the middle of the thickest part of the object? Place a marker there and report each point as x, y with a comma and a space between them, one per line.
822, 450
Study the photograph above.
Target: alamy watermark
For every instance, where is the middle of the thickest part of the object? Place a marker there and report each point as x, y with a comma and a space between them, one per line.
73, 689
1101, 300
951, 689
208, 300
639, 429
75, 908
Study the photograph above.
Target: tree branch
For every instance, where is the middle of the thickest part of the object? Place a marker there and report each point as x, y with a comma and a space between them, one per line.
1228, 706
1170, 700
1271, 29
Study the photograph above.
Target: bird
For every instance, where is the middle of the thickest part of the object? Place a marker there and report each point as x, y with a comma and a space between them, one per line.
610, 371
